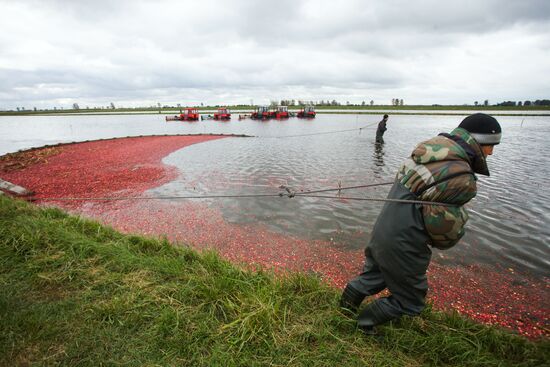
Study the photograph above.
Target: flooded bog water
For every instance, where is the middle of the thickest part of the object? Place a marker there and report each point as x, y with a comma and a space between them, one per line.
510, 218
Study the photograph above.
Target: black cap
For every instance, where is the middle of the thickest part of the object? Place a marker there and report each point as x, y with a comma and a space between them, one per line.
484, 129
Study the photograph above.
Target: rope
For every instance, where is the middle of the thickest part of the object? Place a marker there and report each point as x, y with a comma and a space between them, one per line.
321, 133
378, 199
343, 188
288, 193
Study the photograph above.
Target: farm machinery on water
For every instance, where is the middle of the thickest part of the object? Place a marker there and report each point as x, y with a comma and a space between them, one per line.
190, 114
281, 112
306, 112
265, 113
261, 113
222, 114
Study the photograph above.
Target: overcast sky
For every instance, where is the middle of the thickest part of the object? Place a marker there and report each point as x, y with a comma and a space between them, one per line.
132, 53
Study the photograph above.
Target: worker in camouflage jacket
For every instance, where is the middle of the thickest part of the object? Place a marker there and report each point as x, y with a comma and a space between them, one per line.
440, 172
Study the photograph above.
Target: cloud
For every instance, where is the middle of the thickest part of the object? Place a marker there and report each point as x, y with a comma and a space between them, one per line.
140, 52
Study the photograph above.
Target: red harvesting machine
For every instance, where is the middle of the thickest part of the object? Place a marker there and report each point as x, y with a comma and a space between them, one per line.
191, 114
261, 113
222, 114
306, 112
280, 113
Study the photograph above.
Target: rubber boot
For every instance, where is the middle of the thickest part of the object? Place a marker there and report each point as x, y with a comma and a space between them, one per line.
366, 323
351, 299
373, 315
368, 330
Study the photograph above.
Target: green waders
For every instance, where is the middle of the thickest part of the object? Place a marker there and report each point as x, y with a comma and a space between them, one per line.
397, 258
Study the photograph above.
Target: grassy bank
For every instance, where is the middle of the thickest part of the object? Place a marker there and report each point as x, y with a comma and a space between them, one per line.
76, 292
497, 110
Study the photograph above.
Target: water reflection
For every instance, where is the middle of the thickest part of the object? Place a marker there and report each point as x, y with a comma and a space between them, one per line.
378, 157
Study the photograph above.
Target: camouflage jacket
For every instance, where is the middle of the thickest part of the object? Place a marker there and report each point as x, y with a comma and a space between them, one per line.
442, 170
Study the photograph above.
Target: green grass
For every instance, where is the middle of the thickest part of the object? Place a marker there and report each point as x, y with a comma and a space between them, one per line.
74, 292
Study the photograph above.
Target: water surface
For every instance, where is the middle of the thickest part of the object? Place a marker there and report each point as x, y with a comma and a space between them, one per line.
510, 218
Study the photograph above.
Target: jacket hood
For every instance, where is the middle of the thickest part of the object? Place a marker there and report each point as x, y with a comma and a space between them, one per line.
458, 145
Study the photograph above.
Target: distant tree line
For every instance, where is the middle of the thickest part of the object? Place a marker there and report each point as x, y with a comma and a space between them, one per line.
538, 102
485, 103
300, 102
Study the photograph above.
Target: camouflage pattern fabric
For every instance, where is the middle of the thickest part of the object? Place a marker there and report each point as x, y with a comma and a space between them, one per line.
435, 160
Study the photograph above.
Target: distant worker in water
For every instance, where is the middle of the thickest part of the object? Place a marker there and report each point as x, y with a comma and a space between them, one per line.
381, 130
440, 170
